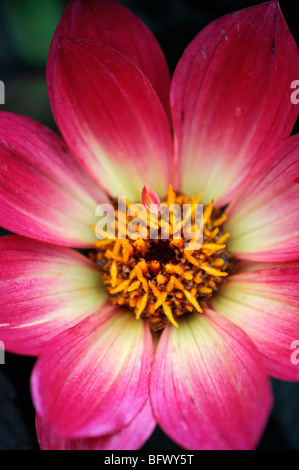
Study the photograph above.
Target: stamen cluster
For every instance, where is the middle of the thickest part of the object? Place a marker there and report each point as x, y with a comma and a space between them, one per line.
161, 280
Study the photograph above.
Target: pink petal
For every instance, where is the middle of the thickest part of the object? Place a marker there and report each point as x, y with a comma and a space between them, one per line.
265, 304
111, 118
93, 379
209, 389
263, 218
230, 98
44, 193
44, 289
132, 437
109, 23
150, 200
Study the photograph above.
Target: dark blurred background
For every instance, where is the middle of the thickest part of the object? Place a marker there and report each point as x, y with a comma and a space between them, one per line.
26, 29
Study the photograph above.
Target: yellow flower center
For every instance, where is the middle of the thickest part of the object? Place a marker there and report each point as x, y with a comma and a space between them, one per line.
162, 279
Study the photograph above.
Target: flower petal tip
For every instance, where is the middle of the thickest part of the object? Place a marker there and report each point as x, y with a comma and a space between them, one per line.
150, 199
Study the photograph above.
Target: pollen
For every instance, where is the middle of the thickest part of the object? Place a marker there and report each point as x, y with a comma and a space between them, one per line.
162, 278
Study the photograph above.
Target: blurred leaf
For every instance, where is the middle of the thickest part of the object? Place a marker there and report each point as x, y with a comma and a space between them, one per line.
32, 24
13, 432
286, 411
27, 95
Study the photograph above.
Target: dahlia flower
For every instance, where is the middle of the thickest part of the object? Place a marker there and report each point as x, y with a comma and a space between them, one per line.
131, 333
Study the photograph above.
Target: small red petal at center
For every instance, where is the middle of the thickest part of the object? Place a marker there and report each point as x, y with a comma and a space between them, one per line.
150, 199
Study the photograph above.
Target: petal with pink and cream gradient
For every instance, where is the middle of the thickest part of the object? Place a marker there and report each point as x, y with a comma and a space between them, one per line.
209, 389
44, 193
93, 378
131, 437
111, 118
263, 218
265, 304
44, 289
230, 98
112, 24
